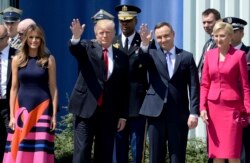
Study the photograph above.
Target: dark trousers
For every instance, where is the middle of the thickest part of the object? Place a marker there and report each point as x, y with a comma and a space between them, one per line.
165, 135
133, 135
246, 145
100, 129
210, 160
4, 123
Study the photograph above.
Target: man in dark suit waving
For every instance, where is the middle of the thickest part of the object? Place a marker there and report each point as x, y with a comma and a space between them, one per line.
172, 100
6, 54
100, 95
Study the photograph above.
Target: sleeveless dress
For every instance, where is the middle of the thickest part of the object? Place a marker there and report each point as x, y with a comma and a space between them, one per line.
32, 141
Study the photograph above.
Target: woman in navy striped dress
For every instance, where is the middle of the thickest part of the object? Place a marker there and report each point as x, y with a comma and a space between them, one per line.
33, 102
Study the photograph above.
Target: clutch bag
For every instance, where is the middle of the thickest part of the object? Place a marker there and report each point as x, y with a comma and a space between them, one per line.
241, 117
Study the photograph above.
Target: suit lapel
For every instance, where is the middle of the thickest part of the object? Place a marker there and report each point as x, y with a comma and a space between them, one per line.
115, 57
244, 48
178, 56
162, 66
135, 44
213, 45
12, 52
216, 59
97, 59
118, 44
229, 59
98, 49
9, 68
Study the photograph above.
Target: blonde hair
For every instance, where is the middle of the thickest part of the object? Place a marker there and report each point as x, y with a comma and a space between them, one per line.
42, 54
103, 24
222, 25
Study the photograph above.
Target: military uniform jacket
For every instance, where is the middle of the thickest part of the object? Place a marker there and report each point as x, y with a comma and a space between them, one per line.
246, 49
138, 83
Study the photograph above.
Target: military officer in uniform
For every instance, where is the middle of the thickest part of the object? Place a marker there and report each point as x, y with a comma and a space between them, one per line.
129, 42
238, 27
11, 18
102, 14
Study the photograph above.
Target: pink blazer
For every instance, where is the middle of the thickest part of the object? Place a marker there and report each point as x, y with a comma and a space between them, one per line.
227, 82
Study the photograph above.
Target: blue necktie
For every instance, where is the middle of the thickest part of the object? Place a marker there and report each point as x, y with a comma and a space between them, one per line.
170, 64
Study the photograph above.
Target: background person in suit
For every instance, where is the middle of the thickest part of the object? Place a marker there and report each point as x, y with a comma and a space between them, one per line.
102, 14
21, 28
238, 27
209, 17
100, 96
173, 88
129, 42
224, 92
6, 54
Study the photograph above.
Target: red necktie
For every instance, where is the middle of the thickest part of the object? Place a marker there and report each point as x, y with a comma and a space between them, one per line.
106, 63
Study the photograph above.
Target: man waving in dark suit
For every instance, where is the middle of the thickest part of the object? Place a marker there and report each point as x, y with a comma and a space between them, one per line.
100, 96
172, 100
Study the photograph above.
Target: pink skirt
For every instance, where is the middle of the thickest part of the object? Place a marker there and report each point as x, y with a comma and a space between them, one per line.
224, 134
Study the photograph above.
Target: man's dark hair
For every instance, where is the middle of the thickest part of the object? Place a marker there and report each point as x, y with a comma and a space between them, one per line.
161, 24
213, 11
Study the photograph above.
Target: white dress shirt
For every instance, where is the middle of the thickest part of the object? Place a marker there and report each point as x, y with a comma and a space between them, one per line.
110, 61
110, 55
238, 46
130, 39
4, 70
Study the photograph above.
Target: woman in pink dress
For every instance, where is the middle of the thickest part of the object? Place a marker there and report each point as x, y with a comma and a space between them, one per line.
224, 94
